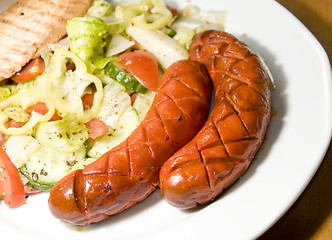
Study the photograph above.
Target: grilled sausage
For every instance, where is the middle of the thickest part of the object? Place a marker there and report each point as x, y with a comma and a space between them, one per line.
28, 25
224, 148
128, 173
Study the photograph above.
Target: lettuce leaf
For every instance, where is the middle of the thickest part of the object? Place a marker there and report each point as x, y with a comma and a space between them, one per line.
87, 39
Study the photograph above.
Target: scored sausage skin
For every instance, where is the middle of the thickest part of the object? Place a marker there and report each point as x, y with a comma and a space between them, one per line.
224, 148
128, 173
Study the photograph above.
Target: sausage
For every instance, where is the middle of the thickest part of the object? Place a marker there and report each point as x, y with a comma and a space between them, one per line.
224, 148
128, 173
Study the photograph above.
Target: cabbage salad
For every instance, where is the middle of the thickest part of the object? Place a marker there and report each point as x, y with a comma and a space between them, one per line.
92, 103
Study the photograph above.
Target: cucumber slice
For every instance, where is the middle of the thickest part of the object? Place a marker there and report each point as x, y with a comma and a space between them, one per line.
66, 134
120, 131
47, 166
124, 78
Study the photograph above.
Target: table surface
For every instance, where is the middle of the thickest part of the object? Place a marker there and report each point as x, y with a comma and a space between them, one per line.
311, 215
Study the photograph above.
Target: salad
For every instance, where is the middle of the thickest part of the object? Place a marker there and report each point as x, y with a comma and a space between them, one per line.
88, 92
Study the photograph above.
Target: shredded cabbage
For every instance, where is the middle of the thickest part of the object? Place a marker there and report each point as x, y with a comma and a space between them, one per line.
116, 25
184, 36
24, 95
20, 147
118, 44
87, 37
164, 48
64, 89
4, 93
67, 134
99, 8
18, 114
34, 119
116, 101
146, 14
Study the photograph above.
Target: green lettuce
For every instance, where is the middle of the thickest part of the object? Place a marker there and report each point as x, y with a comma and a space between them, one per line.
99, 8
88, 37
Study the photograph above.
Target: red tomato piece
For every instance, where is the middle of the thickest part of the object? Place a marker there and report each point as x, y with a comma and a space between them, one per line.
11, 185
29, 71
28, 190
174, 11
2, 139
97, 128
42, 109
13, 124
87, 100
71, 66
133, 97
143, 66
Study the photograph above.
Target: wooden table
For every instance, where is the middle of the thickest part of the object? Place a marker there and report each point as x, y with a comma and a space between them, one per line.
311, 215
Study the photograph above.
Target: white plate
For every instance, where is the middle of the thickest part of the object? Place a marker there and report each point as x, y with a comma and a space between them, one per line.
297, 140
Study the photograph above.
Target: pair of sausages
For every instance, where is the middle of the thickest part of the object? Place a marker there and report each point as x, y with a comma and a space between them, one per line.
212, 160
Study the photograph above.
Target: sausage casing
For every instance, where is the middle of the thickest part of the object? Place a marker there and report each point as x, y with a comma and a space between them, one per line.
224, 148
128, 173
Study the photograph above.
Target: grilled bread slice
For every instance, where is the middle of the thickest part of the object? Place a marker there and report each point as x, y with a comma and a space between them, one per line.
28, 25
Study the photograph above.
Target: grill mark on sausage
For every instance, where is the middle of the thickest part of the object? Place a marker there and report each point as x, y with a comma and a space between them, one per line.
79, 201
220, 138
233, 106
148, 143
235, 77
175, 102
180, 79
205, 166
129, 158
163, 124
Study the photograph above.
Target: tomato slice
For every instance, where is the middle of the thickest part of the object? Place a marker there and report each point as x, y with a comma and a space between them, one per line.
143, 66
96, 127
42, 109
31, 70
133, 97
87, 99
13, 124
174, 11
28, 190
11, 185
2, 139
